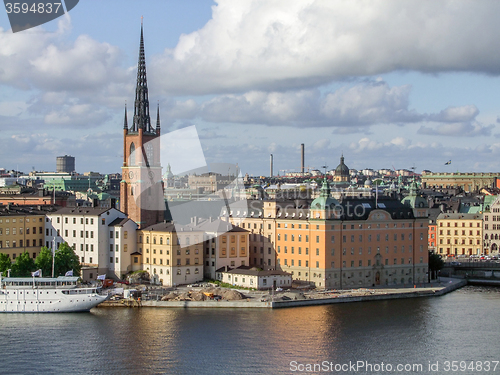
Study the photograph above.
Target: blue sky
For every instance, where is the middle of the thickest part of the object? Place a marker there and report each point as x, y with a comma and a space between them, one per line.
388, 83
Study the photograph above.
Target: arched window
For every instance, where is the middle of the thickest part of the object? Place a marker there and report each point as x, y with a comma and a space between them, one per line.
132, 160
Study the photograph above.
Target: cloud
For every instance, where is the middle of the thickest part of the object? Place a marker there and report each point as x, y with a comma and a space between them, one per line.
463, 129
280, 45
349, 109
370, 103
45, 60
456, 114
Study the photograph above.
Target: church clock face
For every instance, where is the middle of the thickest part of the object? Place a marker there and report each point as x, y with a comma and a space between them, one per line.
151, 174
131, 175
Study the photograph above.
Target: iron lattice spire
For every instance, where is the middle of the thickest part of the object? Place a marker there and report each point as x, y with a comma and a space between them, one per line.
142, 119
125, 121
158, 119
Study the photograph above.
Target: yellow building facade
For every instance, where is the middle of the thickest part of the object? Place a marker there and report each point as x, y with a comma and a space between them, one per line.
459, 234
22, 229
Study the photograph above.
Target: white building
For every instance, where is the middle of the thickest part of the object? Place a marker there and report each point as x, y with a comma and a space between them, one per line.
248, 277
103, 238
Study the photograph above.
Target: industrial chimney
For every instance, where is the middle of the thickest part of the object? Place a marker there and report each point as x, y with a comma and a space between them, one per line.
302, 165
271, 165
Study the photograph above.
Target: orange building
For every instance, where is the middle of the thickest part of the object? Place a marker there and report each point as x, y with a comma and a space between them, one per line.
330, 244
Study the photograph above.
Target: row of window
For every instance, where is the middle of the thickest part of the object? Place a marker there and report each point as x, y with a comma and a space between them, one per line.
48, 232
344, 250
14, 220
21, 230
66, 220
456, 224
344, 263
352, 238
448, 241
21, 243
448, 232
178, 272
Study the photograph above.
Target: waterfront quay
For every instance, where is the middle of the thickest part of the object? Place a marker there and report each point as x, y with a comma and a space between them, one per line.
295, 299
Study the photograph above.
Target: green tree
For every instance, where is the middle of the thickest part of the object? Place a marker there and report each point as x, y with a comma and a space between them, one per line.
5, 263
23, 266
435, 264
44, 261
66, 260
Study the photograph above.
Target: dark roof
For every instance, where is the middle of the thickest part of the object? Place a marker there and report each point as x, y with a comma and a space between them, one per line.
118, 222
96, 211
15, 210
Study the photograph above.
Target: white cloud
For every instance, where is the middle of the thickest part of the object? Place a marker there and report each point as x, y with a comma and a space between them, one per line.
456, 114
463, 129
45, 60
275, 45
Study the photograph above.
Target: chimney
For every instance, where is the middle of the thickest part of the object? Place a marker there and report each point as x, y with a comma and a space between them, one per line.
271, 165
302, 165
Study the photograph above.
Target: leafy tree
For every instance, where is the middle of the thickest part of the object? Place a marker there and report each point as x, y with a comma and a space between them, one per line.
23, 266
435, 264
5, 263
66, 260
44, 261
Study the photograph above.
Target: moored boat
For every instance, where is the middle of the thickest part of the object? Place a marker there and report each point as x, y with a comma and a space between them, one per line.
46, 294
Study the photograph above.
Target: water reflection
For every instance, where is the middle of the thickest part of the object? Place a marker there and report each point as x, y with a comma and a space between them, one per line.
459, 326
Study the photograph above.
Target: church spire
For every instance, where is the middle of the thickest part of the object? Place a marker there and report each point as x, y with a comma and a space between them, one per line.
158, 119
125, 122
142, 119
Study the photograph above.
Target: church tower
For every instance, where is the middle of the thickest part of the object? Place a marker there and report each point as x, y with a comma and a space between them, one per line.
141, 189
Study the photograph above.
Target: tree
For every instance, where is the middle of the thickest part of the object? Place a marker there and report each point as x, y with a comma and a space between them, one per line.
44, 261
66, 260
5, 263
23, 266
435, 264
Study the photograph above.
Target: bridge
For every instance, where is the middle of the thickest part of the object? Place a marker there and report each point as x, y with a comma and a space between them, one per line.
473, 270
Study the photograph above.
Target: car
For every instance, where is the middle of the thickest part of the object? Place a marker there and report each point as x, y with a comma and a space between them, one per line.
279, 289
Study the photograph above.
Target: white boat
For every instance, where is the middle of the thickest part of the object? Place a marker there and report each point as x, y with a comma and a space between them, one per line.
45, 294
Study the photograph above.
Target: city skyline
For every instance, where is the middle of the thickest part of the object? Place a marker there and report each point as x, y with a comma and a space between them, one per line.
386, 85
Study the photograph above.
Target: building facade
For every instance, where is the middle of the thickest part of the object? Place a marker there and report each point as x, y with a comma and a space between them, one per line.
459, 234
103, 239
171, 254
469, 182
330, 244
22, 229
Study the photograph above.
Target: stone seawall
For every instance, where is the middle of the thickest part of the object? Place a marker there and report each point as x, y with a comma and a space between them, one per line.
376, 297
379, 294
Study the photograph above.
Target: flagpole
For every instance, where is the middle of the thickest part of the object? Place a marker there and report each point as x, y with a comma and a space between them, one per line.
53, 254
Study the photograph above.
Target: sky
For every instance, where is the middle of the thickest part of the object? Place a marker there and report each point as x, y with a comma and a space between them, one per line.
388, 84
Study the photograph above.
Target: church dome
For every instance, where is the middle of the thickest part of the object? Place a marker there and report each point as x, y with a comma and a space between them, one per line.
342, 169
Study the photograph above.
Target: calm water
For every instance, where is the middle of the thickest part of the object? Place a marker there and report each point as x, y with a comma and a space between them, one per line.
462, 326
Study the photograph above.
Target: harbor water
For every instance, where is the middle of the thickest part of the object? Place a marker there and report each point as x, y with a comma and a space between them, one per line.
421, 335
